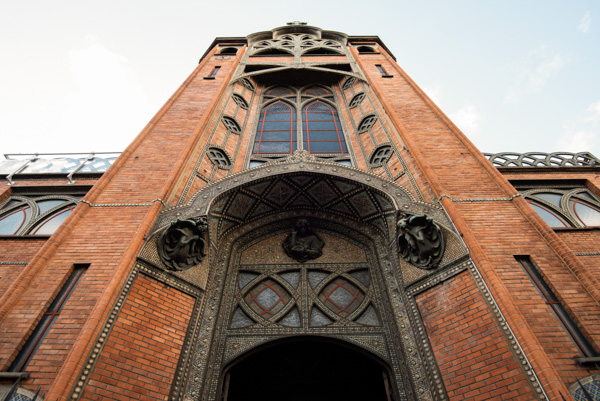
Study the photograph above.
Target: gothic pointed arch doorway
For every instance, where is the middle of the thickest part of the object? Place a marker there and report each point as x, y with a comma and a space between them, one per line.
307, 368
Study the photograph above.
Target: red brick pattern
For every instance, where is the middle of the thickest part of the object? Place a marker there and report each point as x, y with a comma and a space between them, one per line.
108, 238
474, 357
139, 358
16, 250
495, 231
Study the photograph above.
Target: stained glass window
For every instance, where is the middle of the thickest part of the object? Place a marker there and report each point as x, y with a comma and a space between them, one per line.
214, 72
48, 319
42, 215
349, 82
15, 220
280, 92
280, 122
317, 91
322, 129
51, 224
565, 207
276, 132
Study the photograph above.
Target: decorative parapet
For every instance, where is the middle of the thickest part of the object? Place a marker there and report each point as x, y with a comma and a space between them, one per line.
540, 159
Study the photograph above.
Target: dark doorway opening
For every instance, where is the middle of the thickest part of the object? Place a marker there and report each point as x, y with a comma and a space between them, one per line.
307, 369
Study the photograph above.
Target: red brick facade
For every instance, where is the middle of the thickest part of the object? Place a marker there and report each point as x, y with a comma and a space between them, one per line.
479, 328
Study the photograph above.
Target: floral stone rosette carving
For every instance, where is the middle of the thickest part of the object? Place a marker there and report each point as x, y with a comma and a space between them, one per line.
303, 243
420, 241
181, 246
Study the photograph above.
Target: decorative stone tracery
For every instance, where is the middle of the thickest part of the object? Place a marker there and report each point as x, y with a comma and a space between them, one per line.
297, 44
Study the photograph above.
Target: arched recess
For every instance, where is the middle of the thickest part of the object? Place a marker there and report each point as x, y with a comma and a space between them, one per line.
307, 368
250, 258
300, 163
250, 214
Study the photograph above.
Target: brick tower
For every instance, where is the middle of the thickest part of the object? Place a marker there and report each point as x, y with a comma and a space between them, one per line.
300, 221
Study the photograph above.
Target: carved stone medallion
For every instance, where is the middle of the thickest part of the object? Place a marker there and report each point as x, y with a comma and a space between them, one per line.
303, 243
420, 241
181, 245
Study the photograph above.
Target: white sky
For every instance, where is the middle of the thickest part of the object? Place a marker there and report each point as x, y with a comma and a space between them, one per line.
80, 76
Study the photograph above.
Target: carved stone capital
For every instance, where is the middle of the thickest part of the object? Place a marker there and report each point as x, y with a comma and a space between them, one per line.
420, 241
182, 245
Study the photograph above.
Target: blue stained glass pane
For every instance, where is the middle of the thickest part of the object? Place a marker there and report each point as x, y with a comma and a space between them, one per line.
313, 117
277, 125
51, 224
11, 223
46, 205
323, 147
588, 216
275, 136
318, 106
329, 124
256, 163
277, 147
11, 204
287, 116
549, 218
322, 135
550, 197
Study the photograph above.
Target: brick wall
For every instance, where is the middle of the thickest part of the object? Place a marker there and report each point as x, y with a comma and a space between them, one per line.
474, 357
107, 238
16, 249
140, 355
494, 231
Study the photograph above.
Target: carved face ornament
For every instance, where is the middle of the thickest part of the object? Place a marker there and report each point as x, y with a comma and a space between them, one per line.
420, 241
181, 246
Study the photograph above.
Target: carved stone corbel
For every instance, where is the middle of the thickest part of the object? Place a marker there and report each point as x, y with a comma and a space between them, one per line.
420, 241
182, 245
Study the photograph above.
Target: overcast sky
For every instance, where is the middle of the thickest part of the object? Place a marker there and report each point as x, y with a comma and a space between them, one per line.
81, 76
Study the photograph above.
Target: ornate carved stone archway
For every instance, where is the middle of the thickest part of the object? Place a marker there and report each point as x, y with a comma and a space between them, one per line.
249, 217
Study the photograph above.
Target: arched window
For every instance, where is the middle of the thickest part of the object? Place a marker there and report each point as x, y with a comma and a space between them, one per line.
51, 223
280, 91
322, 129
276, 132
565, 207
228, 50
24, 215
365, 49
15, 220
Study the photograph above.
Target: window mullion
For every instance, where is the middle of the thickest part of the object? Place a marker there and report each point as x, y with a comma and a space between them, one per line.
299, 130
